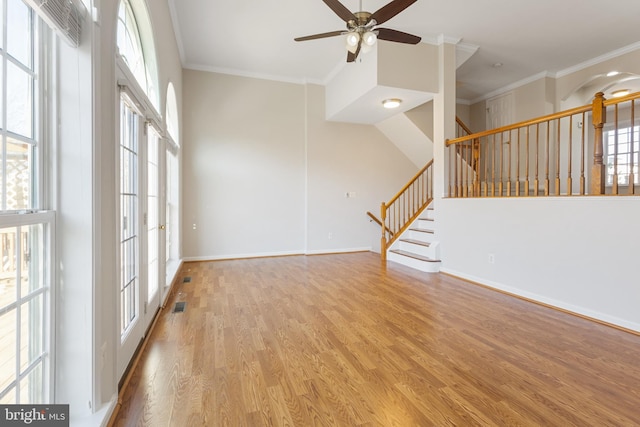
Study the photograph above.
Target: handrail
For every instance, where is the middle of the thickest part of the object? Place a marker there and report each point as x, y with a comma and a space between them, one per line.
411, 181
548, 155
398, 214
463, 126
524, 123
377, 221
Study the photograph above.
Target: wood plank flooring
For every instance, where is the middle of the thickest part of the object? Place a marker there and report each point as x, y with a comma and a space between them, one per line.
341, 340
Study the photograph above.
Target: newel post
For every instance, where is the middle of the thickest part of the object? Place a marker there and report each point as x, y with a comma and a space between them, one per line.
383, 240
599, 115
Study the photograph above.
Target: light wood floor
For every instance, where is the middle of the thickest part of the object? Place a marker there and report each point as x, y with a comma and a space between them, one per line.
339, 340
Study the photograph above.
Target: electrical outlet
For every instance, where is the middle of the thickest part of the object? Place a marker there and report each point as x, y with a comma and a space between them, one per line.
491, 259
330, 236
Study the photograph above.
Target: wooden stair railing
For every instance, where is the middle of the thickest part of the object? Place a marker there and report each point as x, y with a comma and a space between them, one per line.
548, 156
468, 156
375, 219
398, 214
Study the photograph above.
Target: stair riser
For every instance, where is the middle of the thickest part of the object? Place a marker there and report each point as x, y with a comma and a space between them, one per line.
419, 235
428, 267
427, 251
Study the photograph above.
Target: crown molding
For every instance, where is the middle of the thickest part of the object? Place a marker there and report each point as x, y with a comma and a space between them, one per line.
512, 86
598, 60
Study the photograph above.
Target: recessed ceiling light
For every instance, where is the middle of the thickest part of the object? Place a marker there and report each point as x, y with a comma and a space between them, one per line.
391, 103
620, 92
612, 73
497, 65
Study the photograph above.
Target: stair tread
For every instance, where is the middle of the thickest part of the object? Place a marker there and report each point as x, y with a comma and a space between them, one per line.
422, 230
426, 219
416, 242
413, 255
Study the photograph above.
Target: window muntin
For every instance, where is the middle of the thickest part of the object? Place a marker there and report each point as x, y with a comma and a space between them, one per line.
129, 43
153, 142
25, 235
24, 302
622, 154
129, 239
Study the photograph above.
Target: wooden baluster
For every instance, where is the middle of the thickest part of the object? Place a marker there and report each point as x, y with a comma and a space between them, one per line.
536, 181
582, 151
455, 171
493, 165
450, 172
485, 182
558, 160
547, 189
460, 171
501, 164
472, 170
569, 181
383, 239
509, 165
632, 179
599, 117
614, 184
466, 169
518, 165
476, 167
526, 182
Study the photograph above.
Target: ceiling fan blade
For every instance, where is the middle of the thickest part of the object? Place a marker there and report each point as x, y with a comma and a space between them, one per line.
390, 10
319, 36
397, 36
340, 10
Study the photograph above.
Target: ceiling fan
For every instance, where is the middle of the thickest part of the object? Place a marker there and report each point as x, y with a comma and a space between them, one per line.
362, 31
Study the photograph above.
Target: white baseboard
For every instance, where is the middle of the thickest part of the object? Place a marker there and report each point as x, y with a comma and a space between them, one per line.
581, 311
275, 254
337, 251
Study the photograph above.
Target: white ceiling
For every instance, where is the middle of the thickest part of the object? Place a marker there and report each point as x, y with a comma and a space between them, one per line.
255, 37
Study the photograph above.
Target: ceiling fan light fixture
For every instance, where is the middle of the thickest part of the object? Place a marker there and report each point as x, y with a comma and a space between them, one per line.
391, 103
352, 39
621, 92
369, 38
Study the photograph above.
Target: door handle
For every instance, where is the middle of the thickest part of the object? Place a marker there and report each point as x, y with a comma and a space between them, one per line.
162, 227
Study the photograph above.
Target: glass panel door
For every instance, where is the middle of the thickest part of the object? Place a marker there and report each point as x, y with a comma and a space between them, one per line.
153, 225
129, 293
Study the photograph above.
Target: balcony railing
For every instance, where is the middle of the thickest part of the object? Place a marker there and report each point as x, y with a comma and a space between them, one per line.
589, 150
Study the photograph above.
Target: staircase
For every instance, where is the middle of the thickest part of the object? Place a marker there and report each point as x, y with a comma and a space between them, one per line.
417, 247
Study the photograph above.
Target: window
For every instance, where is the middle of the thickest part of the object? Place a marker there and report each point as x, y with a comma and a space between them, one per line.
622, 154
129, 239
138, 168
25, 241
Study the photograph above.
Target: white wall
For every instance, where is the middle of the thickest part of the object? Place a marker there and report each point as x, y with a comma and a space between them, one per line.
344, 158
266, 174
244, 166
576, 253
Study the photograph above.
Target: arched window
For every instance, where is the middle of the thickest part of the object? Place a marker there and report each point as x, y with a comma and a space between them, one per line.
140, 133
137, 48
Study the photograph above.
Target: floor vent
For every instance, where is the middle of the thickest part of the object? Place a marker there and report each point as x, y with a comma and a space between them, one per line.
179, 307
186, 280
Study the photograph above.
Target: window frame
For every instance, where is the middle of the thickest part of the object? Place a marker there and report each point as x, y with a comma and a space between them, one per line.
41, 91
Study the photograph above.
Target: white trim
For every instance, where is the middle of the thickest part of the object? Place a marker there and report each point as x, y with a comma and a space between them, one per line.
275, 254
338, 251
512, 86
242, 256
548, 301
598, 60
250, 74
